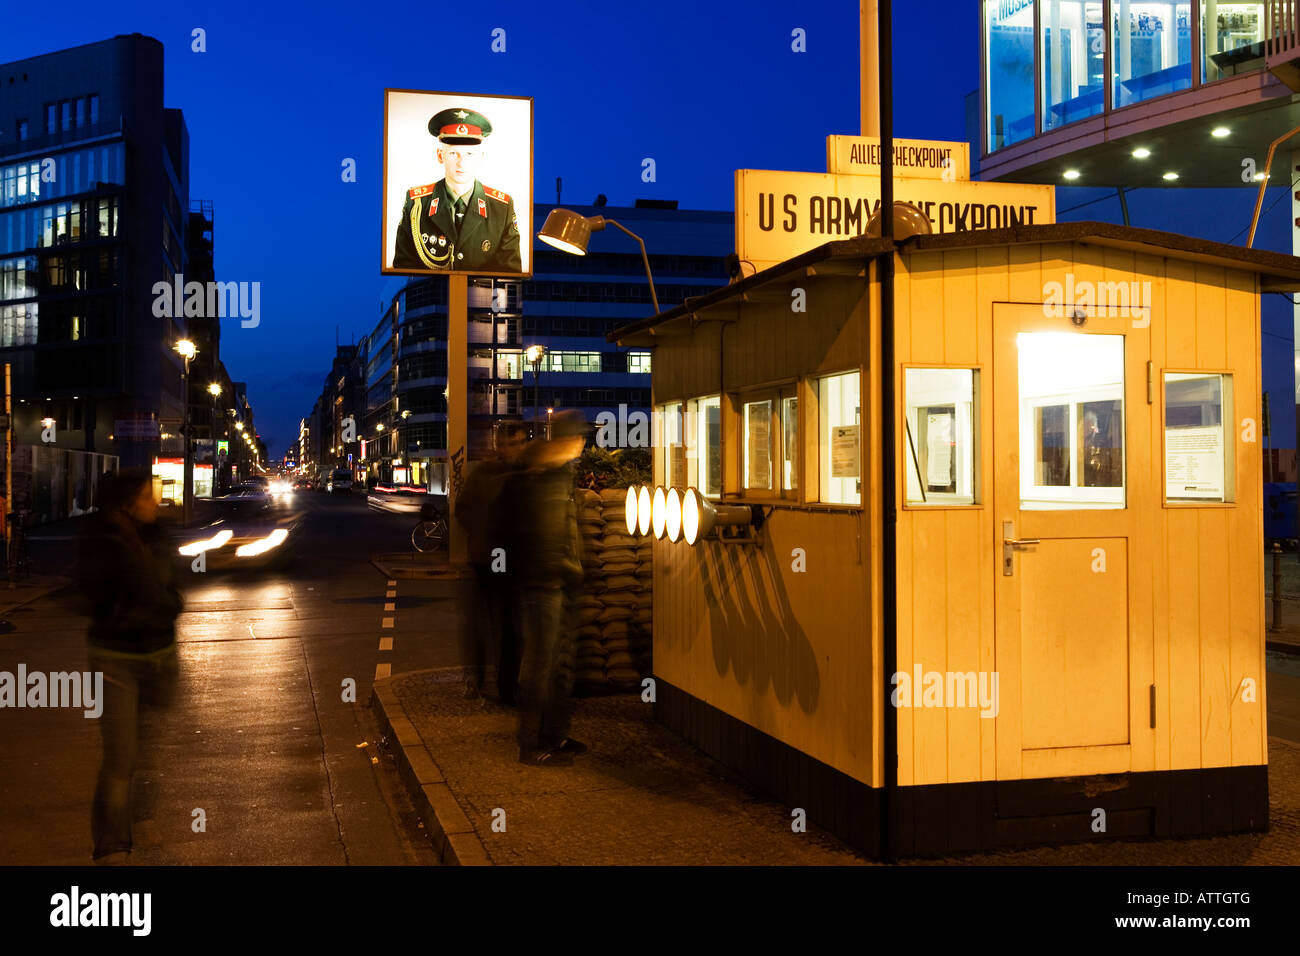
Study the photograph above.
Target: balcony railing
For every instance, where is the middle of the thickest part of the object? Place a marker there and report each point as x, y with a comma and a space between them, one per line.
1280, 22
10, 147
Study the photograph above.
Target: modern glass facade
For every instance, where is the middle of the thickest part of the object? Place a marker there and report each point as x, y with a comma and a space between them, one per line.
1046, 62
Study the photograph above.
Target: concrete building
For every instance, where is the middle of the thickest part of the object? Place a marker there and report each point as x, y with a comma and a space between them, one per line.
91, 165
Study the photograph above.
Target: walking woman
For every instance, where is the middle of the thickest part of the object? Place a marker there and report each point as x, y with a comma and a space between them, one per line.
125, 571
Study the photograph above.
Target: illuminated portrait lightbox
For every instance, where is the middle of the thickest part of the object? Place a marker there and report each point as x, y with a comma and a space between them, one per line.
458, 184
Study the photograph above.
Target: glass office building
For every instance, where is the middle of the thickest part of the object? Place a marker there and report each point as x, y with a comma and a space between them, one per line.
1050, 63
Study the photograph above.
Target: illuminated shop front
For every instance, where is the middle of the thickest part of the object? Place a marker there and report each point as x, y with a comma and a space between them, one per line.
1078, 553
169, 479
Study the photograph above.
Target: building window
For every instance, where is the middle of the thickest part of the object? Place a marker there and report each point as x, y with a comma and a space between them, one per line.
638, 363
839, 426
704, 445
1009, 85
1152, 51
1073, 61
65, 113
22, 129
1198, 462
94, 108
51, 117
571, 362
81, 112
1234, 43
941, 436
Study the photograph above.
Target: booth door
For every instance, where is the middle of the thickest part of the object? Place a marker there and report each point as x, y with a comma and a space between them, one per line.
1070, 409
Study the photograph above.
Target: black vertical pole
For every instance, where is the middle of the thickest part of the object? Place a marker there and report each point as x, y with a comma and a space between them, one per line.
889, 570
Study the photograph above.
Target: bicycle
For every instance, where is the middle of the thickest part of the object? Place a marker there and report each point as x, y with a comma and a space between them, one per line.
430, 534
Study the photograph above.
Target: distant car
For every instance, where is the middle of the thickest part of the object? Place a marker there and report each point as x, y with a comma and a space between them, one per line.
247, 533
340, 481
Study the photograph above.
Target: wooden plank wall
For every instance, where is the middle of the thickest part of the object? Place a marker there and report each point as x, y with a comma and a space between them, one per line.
1204, 601
735, 626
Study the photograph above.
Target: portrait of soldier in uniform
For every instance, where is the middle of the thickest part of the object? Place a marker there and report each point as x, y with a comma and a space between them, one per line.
458, 222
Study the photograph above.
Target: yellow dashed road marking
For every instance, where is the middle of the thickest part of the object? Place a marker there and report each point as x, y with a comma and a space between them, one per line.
383, 670
388, 622
385, 643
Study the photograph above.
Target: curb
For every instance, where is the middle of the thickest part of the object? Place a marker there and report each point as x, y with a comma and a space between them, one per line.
454, 839
1282, 647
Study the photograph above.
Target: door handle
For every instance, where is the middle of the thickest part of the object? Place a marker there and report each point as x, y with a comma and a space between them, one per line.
1012, 544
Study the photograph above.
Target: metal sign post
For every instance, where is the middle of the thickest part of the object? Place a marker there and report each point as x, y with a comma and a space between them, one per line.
457, 412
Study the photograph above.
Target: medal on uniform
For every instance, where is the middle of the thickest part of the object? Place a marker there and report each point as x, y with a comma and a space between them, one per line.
486, 245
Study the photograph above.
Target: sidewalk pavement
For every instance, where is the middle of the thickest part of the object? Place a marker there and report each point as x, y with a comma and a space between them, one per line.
640, 796
27, 590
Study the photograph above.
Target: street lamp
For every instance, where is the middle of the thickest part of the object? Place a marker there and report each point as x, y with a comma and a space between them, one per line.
534, 355
214, 389
570, 232
187, 351
548, 423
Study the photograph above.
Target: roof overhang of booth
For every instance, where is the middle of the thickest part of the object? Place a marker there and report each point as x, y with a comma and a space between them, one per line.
850, 257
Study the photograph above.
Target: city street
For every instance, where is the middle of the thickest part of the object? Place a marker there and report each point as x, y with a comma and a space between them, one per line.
260, 748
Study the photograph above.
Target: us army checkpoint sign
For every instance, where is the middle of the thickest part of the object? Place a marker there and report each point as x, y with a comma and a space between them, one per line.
783, 214
914, 158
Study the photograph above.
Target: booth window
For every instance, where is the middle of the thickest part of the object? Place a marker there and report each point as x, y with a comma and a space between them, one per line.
1071, 420
757, 423
1234, 42
839, 425
941, 431
704, 445
1198, 461
669, 427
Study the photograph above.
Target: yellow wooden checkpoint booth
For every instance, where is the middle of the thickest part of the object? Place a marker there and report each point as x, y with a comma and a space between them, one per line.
1079, 643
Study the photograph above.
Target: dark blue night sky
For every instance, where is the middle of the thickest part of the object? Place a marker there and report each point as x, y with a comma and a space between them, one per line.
283, 94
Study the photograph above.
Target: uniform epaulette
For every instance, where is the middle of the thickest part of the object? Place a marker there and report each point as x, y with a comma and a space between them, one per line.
497, 194
419, 191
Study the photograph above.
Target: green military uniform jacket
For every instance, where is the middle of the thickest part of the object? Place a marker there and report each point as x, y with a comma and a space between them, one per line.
488, 239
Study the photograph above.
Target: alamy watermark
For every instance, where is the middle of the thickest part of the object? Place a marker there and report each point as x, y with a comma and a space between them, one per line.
1120, 299
75, 908
947, 689
83, 690
226, 300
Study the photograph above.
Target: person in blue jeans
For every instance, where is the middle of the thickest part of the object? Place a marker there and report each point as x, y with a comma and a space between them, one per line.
545, 554
125, 573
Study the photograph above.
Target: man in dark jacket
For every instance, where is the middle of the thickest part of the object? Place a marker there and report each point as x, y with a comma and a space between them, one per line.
490, 620
546, 558
124, 571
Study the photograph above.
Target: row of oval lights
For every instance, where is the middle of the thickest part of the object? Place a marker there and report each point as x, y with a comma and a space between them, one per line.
667, 512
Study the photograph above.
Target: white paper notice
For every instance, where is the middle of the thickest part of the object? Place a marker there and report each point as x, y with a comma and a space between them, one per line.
1194, 462
844, 451
938, 441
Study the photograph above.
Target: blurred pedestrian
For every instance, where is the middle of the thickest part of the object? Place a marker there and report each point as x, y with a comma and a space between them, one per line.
546, 563
125, 572
490, 628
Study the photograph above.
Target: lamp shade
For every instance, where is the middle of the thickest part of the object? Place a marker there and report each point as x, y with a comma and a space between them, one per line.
908, 221
699, 515
673, 516
658, 509
567, 231
643, 508
629, 510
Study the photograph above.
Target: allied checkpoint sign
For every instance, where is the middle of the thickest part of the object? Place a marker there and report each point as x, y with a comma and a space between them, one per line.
913, 158
781, 214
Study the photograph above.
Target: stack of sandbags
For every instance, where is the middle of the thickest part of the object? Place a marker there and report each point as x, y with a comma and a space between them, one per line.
618, 594
642, 633
589, 653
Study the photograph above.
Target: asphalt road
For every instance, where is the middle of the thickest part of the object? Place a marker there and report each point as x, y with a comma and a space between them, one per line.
259, 760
